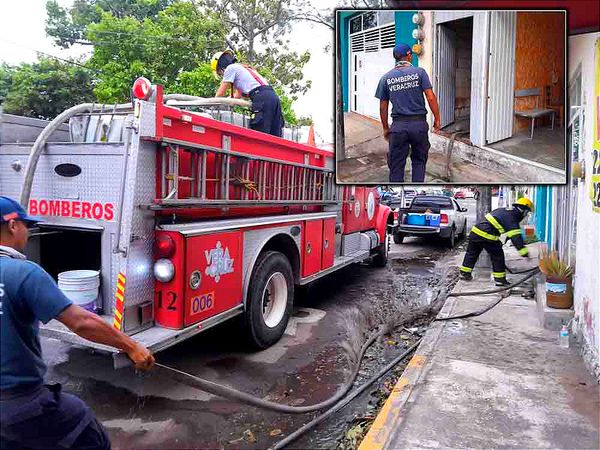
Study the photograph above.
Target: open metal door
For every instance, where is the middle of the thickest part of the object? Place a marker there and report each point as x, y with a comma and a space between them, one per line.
501, 70
446, 73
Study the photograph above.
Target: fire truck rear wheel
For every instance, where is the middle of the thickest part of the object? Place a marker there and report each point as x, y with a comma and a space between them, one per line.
270, 298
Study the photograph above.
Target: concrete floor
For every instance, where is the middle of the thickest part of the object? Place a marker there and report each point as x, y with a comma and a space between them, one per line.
366, 159
547, 146
366, 156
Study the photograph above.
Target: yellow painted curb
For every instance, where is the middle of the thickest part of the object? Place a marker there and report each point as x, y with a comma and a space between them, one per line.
387, 418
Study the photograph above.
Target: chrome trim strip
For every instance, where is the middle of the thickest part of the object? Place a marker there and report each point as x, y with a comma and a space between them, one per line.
196, 228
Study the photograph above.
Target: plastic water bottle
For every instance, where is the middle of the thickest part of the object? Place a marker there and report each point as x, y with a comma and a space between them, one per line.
563, 340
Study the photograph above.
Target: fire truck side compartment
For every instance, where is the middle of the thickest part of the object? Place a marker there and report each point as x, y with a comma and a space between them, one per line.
312, 247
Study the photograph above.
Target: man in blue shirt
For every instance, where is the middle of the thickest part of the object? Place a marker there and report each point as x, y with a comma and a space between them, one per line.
34, 415
404, 86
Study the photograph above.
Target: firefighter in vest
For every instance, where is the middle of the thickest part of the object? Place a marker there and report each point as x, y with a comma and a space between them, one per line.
244, 81
486, 236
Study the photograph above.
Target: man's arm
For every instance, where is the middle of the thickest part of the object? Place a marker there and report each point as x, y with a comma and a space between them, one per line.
435, 109
383, 115
223, 89
93, 328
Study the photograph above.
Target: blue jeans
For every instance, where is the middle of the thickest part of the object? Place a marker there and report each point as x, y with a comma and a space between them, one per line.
408, 137
46, 418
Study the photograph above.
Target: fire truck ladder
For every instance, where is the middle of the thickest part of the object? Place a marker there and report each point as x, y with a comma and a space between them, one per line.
216, 177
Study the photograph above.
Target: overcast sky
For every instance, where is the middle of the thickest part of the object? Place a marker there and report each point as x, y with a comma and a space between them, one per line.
22, 33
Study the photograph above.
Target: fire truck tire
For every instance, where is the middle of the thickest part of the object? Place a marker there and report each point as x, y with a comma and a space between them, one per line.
270, 298
380, 258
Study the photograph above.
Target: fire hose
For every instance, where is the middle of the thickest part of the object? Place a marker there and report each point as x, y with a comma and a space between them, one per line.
233, 394
340, 399
530, 273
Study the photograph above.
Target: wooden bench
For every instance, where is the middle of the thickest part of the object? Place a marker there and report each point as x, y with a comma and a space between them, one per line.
535, 112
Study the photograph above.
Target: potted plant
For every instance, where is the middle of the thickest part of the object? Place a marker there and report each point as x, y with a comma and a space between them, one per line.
559, 280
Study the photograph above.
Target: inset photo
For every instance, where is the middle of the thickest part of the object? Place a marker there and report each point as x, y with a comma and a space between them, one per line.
465, 97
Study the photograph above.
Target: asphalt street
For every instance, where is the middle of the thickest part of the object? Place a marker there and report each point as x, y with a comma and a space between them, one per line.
307, 366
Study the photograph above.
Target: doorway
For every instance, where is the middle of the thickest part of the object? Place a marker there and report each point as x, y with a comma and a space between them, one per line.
454, 73
475, 73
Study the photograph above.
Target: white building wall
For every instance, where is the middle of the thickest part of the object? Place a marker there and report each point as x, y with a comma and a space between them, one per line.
583, 49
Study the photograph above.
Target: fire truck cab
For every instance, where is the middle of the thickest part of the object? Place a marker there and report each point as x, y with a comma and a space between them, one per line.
190, 217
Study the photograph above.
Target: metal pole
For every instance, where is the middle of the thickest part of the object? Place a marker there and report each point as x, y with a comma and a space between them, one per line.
484, 206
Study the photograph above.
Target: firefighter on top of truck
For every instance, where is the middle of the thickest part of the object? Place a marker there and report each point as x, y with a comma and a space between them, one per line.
405, 86
244, 80
32, 414
486, 236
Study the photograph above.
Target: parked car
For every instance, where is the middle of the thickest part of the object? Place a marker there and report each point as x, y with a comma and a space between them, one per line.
432, 215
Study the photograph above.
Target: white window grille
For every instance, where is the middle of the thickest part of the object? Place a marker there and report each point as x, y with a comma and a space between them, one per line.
373, 40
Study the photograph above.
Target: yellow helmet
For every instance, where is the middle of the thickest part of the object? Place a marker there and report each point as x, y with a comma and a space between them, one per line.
214, 62
524, 201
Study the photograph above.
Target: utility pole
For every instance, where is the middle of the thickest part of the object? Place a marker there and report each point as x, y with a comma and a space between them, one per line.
484, 206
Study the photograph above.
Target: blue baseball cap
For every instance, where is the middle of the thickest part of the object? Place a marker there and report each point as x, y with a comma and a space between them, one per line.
401, 50
11, 209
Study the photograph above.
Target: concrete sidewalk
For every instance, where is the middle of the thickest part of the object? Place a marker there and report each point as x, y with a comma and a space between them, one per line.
498, 380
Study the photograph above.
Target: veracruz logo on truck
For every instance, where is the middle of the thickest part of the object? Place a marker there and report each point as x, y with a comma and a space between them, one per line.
75, 209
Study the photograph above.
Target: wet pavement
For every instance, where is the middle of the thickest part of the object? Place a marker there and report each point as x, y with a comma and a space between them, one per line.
331, 321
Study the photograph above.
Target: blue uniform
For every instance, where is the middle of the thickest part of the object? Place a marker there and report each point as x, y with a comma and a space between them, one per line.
403, 87
34, 415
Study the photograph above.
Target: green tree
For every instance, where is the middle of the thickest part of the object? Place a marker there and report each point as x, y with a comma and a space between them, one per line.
253, 21
6, 73
46, 88
265, 22
171, 42
179, 39
68, 26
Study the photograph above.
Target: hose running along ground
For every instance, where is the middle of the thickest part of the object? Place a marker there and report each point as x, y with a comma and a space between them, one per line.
233, 394
530, 273
320, 418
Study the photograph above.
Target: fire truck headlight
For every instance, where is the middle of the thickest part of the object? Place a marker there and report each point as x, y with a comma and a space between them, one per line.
164, 270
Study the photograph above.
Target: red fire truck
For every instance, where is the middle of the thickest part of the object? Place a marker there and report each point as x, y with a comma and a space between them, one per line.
189, 219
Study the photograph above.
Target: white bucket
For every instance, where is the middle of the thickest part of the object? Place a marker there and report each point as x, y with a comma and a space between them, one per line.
81, 287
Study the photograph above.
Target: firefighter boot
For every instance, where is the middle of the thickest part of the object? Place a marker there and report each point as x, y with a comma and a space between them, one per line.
501, 281
466, 276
